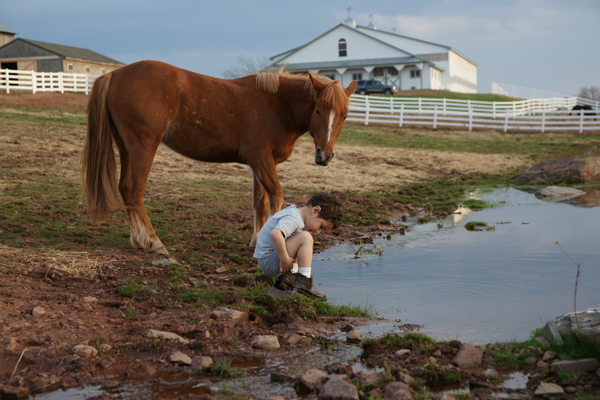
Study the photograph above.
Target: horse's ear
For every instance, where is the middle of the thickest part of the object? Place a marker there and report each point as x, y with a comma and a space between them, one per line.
316, 82
351, 88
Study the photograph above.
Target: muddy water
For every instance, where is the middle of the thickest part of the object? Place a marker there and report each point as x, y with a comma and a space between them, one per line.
478, 287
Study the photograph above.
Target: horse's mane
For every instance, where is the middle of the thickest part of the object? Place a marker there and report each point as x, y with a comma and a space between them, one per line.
333, 96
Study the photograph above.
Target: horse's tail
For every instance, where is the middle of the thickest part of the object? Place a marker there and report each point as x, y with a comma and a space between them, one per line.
99, 166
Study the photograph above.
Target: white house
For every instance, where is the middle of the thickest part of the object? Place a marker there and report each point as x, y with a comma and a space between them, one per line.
349, 52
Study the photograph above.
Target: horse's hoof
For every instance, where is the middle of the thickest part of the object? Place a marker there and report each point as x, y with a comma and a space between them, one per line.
157, 247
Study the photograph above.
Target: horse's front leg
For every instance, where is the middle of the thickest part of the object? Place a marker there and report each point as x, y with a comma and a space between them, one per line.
266, 185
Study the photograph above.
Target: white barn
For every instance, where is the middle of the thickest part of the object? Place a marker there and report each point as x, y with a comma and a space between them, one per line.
350, 52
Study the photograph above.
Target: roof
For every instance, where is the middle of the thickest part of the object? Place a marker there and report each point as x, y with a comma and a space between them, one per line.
6, 29
72, 52
357, 63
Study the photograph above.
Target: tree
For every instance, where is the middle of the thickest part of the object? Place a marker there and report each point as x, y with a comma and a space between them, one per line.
592, 93
246, 65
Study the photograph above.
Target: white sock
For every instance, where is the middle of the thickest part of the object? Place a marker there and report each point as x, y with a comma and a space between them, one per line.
294, 268
305, 271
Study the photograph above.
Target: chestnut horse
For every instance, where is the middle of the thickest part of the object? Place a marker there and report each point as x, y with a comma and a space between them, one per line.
254, 120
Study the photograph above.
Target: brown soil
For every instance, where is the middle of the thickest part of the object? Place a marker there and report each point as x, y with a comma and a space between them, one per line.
38, 347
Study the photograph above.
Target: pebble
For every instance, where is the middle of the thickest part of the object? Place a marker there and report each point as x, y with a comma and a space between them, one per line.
402, 353
180, 358
89, 299
353, 336
201, 363
85, 351
266, 342
105, 347
38, 311
166, 335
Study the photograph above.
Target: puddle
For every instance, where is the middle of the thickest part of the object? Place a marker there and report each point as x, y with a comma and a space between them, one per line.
478, 287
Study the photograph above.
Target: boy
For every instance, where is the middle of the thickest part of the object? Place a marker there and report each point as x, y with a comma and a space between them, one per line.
286, 240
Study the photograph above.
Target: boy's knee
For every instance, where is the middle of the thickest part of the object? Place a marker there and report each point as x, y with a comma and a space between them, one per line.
306, 237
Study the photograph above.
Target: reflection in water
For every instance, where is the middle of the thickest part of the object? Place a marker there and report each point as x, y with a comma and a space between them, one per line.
478, 287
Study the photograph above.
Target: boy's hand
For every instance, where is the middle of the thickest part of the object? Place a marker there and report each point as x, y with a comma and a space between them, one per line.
286, 265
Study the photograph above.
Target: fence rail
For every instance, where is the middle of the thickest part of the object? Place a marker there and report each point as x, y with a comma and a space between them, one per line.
32, 81
553, 114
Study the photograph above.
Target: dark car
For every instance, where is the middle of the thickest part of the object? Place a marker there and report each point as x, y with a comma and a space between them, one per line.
373, 86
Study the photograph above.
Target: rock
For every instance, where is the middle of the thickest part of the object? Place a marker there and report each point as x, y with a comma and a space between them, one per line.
166, 335
447, 397
221, 270
549, 355
353, 336
201, 363
234, 316
577, 366
468, 356
295, 339
306, 340
266, 342
348, 327
89, 299
371, 379
541, 365
337, 389
179, 358
555, 193
402, 353
38, 311
531, 361
85, 351
12, 392
437, 353
86, 307
166, 261
399, 391
105, 347
589, 323
279, 377
542, 341
401, 377
281, 294
550, 332
12, 346
546, 389
312, 380
562, 170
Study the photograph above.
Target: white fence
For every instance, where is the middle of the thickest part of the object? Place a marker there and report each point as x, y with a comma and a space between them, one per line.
32, 81
520, 92
535, 114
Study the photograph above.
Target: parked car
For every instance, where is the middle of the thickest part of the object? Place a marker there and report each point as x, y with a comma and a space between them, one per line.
373, 86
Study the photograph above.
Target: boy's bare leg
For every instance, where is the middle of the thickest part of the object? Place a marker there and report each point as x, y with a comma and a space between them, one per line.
300, 247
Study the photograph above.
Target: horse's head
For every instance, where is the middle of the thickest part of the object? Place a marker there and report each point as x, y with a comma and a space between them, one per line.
327, 120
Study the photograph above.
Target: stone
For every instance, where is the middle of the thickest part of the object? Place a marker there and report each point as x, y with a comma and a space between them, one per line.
337, 389
551, 334
348, 327
546, 389
402, 353
353, 336
38, 311
279, 377
549, 355
589, 323
306, 340
281, 294
12, 346
577, 366
85, 351
399, 391
312, 380
234, 316
295, 338
179, 358
541, 365
437, 353
166, 335
105, 347
402, 377
371, 379
542, 341
201, 363
557, 193
89, 299
531, 361
468, 356
12, 392
166, 261
221, 270
562, 170
266, 342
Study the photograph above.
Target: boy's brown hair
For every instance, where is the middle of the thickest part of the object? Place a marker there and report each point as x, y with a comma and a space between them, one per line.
331, 207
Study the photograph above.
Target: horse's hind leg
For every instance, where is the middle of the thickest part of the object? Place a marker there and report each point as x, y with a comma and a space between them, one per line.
134, 174
261, 206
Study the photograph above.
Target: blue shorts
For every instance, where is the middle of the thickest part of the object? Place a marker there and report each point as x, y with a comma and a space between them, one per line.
270, 264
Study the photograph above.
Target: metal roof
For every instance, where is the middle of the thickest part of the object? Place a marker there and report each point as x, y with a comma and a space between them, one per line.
6, 29
356, 63
72, 52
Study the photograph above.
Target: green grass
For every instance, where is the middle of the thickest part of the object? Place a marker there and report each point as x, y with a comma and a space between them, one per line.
34, 117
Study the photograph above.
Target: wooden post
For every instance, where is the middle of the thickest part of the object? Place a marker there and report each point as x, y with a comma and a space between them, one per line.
401, 113
444, 106
60, 82
470, 119
581, 121
494, 109
435, 116
367, 110
543, 119
419, 106
514, 108
506, 120
33, 81
391, 105
7, 84
87, 76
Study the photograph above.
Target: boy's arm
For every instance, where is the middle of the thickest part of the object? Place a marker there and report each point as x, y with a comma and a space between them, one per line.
286, 261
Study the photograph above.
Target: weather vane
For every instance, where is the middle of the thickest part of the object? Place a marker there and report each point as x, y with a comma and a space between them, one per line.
349, 9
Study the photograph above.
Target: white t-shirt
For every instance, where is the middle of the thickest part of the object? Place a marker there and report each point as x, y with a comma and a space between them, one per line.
289, 221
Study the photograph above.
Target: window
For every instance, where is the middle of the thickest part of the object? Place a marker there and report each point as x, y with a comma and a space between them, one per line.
342, 48
357, 76
102, 71
330, 76
87, 69
392, 71
70, 67
378, 71
415, 73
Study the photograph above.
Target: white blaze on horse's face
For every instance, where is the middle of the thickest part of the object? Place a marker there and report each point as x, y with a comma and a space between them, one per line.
325, 128
331, 117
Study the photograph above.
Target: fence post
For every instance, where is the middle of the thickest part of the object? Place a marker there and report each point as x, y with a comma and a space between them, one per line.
470, 119
401, 113
506, 120
419, 106
367, 110
444, 106
434, 116
33, 82
87, 84
581, 121
7, 85
514, 108
543, 119
60, 82
494, 109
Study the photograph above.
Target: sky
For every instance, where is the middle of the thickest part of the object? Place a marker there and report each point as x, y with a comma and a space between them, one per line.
550, 45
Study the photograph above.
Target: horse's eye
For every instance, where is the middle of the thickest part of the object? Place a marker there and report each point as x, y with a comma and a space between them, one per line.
318, 113
345, 117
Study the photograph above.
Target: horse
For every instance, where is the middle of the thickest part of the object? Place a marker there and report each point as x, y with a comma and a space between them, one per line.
582, 108
254, 120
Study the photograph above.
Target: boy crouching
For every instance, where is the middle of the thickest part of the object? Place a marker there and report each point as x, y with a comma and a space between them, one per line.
284, 248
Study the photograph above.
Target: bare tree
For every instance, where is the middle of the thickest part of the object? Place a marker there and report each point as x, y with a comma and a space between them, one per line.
246, 65
592, 93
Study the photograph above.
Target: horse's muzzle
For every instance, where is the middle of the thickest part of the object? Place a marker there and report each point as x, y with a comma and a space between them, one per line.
320, 157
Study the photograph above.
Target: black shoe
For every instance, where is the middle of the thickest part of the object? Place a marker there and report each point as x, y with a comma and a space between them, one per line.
305, 286
284, 281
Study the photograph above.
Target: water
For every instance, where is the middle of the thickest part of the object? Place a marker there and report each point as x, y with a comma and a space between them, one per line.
477, 287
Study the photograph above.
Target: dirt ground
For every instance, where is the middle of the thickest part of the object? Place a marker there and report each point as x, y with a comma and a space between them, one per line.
46, 311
